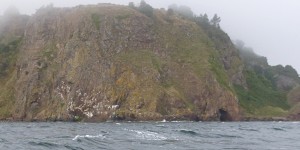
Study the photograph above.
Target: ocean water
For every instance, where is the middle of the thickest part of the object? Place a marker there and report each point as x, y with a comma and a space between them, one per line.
150, 135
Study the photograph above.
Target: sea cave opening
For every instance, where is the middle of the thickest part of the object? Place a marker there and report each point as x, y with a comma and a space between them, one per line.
224, 115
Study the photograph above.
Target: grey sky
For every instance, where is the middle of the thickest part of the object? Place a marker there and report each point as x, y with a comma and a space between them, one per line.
270, 27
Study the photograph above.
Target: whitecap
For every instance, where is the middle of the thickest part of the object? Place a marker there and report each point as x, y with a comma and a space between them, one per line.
148, 135
184, 121
161, 125
88, 136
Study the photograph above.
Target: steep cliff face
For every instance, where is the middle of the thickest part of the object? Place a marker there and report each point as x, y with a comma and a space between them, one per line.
228, 54
109, 62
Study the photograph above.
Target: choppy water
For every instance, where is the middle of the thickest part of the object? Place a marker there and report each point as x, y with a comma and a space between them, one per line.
150, 135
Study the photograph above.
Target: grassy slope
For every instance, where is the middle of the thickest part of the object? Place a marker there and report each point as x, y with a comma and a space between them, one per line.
261, 99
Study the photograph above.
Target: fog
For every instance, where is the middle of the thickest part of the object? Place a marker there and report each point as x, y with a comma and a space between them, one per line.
270, 27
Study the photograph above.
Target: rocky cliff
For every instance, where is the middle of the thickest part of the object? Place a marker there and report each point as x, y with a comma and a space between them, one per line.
111, 62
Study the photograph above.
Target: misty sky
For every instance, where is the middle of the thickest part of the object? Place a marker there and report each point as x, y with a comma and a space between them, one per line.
270, 27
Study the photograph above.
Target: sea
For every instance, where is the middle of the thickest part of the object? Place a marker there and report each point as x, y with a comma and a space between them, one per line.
150, 136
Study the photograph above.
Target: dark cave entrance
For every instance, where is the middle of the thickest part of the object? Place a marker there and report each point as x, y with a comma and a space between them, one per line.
224, 115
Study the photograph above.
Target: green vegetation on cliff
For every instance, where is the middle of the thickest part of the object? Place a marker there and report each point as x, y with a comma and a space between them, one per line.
261, 95
267, 86
105, 62
8, 58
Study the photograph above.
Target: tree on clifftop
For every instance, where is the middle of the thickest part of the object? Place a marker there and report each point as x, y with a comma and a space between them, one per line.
146, 9
215, 21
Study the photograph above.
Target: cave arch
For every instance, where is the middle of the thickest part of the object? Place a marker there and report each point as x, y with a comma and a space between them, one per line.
224, 115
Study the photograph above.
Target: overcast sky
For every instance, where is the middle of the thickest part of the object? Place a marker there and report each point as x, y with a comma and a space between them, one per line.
270, 27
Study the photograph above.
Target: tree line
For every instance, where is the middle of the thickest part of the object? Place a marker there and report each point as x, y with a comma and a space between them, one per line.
182, 10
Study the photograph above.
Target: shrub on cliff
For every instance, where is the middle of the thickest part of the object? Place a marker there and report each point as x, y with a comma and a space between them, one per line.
7, 56
146, 9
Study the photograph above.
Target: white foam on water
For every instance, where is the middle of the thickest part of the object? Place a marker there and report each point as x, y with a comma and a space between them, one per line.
161, 125
88, 136
180, 121
148, 135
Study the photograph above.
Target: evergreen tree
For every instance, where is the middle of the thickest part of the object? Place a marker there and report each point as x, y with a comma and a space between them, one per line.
205, 18
215, 21
146, 9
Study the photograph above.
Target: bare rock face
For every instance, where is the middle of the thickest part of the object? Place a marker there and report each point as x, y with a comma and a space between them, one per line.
286, 83
109, 62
